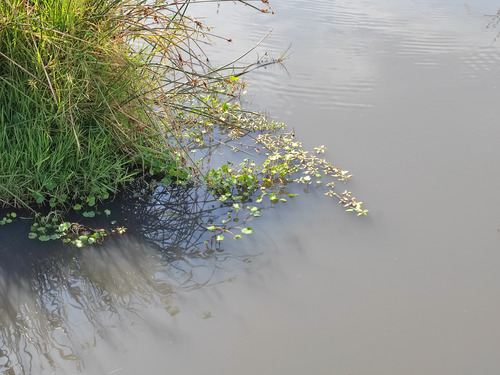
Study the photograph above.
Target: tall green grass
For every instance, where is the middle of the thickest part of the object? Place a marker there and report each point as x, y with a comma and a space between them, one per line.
87, 93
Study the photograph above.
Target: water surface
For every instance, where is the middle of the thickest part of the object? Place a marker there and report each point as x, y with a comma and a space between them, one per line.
404, 94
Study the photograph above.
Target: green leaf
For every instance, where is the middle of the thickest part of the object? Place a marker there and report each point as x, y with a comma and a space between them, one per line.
107, 212
63, 227
211, 227
91, 201
77, 207
39, 197
32, 235
219, 237
166, 181
237, 237
51, 184
248, 230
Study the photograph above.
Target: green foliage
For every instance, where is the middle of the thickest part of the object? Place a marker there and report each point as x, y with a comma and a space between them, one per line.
51, 227
85, 96
230, 180
285, 162
8, 218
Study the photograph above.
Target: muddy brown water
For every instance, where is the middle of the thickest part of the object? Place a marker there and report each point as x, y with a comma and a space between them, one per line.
405, 94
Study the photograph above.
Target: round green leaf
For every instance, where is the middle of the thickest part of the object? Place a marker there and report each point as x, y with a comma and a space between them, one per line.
247, 230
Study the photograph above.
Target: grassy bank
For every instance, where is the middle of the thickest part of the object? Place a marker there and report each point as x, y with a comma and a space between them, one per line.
85, 93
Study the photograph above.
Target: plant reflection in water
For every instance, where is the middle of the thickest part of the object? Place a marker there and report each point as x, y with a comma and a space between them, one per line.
64, 301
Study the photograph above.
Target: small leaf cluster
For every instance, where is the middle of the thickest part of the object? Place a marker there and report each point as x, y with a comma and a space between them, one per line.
217, 236
74, 233
231, 181
218, 107
286, 158
90, 210
7, 219
52, 227
46, 228
349, 202
286, 162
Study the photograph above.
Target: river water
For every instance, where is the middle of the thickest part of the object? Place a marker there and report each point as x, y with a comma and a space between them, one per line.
405, 94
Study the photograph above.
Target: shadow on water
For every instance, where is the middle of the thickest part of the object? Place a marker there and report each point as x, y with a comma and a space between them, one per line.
57, 302
174, 222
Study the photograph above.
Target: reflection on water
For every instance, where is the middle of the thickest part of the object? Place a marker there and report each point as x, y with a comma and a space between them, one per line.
69, 302
65, 301
494, 22
173, 221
